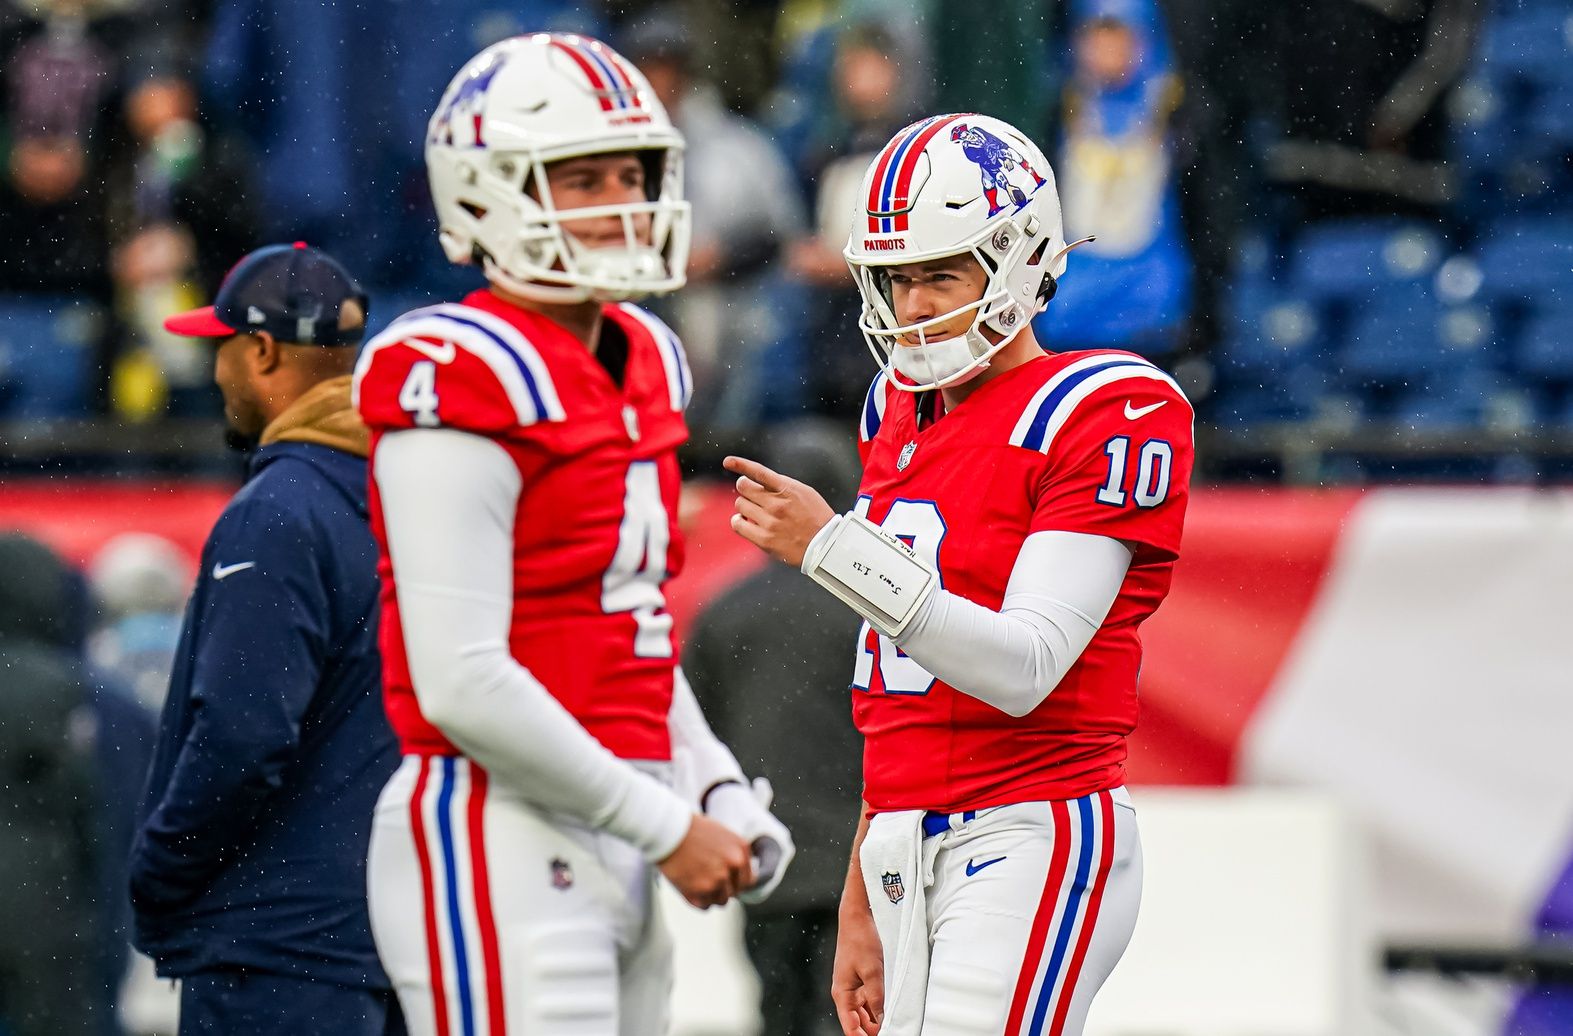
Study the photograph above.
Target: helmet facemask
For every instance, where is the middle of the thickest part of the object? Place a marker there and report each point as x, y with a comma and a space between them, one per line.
956, 358
518, 238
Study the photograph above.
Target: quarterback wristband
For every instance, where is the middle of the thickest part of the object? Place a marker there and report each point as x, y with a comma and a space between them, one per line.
875, 573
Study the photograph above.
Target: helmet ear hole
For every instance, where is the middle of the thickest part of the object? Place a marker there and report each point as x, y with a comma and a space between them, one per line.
654, 163
1037, 254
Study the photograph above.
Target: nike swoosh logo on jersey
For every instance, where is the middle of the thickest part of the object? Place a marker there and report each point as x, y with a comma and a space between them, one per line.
443, 353
973, 868
1133, 413
225, 571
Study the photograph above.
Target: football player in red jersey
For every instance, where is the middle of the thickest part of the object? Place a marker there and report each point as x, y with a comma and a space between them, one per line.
524, 497
1019, 516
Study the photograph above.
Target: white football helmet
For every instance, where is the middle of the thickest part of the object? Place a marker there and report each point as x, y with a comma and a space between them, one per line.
944, 186
532, 100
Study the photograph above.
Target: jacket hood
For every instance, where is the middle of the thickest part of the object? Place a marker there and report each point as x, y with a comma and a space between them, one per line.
325, 416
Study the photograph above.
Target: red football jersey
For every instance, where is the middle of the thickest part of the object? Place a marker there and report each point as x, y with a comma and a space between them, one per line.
596, 529
1089, 442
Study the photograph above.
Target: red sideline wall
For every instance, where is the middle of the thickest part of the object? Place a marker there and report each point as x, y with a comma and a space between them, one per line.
1252, 562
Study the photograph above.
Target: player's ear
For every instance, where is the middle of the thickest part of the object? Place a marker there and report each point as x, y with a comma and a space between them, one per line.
266, 354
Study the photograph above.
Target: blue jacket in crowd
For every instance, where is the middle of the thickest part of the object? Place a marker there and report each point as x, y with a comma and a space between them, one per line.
273, 745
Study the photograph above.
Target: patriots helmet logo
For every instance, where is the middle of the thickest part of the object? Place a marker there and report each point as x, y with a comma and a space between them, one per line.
463, 110
996, 160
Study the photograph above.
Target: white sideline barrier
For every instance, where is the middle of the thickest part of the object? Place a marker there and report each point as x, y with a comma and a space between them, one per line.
1254, 920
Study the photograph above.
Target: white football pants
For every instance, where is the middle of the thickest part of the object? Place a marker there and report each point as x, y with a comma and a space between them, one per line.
495, 919
1007, 921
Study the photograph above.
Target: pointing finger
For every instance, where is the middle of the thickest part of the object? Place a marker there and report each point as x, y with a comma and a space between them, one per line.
754, 470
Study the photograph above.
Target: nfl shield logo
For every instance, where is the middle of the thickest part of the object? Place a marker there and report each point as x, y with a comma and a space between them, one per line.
906, 456
895, 891
562, 875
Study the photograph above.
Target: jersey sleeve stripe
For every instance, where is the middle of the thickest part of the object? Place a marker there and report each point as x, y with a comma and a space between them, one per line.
873, 408
679, 378
411, 331
517, 367
1029, 413
1062, 403
538, 379
1052, 404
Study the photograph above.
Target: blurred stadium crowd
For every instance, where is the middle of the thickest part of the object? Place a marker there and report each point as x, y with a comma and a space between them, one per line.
1345, 225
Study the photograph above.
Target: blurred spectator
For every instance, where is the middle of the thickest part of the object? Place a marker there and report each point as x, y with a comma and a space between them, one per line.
52, 982
872, 100
746, 209
59, 76
180, 209
769, 657
141, 582
333, 98
1360, 89
1219, 54
1130, 288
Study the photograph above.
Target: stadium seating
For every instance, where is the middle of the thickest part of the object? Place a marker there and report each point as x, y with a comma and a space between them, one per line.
1544, 348
1533, 44
46, 356
1528, 260
1345, 262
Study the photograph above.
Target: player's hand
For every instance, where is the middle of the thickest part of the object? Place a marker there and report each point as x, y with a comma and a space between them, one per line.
746, 810
710, 865
779, 515
857, 981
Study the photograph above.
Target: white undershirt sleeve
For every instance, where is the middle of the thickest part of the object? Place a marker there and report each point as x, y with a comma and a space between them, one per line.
448, 505
702, 760
1061, 588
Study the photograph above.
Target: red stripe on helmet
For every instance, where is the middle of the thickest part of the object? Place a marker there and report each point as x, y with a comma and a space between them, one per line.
898, 194
624, 72
597, 82
881, 166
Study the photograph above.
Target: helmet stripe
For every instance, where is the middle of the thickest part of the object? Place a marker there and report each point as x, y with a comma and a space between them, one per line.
909, 165
881, 169
596, 82
623, 74
896, 161
618, 87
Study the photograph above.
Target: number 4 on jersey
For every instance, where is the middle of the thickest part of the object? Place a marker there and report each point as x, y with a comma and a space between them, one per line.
418, 397
632, 582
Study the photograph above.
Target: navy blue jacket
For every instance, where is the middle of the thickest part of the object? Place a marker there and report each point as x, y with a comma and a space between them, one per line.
273, 745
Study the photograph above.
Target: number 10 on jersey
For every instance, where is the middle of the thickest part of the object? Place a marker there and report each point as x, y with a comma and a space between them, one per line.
1153, 464
881, 666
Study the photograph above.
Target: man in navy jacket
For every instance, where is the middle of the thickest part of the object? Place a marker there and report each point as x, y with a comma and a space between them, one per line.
248, 872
